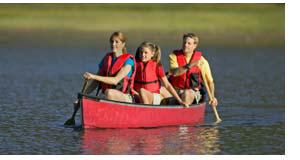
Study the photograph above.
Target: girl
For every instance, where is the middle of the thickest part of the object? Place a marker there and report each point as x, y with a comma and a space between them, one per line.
149, 73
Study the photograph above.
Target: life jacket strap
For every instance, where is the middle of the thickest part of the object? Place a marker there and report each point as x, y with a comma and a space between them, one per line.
143, 82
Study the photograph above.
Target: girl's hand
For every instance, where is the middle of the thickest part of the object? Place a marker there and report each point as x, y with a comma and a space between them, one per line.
88, 76
214, 102
184, 104
135, 92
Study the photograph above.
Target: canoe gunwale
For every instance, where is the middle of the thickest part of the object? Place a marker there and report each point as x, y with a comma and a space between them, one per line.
98, 99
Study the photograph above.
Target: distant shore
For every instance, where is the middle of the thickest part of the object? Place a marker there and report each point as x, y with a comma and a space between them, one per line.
89, 24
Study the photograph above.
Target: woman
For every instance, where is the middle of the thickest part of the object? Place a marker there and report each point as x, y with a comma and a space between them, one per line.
116, 72
115, 75
149, 73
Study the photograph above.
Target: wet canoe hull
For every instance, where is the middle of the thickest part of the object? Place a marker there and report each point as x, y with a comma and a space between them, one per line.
111, 114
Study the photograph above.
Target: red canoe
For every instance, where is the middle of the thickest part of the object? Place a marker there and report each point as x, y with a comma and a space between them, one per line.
99, 113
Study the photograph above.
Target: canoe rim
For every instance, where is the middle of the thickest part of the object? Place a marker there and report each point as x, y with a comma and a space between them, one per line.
98, 99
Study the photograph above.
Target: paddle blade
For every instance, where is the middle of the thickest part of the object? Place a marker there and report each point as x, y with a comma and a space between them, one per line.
70, 122
218, 121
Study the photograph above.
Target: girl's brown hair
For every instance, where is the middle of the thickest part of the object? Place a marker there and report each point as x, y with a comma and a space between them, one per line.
153, 47
120, 36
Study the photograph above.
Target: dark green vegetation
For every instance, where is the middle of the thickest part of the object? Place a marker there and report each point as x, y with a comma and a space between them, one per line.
90, 24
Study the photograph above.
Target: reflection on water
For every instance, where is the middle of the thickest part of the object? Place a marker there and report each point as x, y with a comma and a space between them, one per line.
163, 140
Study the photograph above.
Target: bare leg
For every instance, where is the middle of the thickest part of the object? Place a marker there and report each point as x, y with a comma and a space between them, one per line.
188, 96
165, 93
116, 95
146, 96
167, 97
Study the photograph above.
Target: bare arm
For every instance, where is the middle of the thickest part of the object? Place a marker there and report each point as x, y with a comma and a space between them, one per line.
204, 65
110, 80
180, 70
135, 92
170, 88
211, 87
173, 65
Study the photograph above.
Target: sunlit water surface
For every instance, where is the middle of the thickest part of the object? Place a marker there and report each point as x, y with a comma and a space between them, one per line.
39, 85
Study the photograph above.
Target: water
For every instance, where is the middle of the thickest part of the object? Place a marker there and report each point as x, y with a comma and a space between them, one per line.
39, 84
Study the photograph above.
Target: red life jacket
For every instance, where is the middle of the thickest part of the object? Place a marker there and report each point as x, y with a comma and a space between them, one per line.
192, 77
107, 69
147, 77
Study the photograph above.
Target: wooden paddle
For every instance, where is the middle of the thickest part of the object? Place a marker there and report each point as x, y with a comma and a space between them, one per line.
71, 121
210, 95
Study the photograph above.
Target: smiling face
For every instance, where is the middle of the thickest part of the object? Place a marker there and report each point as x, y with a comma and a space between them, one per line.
146, 54
116, 45
189, 45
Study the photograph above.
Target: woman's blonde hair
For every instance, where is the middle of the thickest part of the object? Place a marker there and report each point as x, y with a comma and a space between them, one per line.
120, 36
153, 47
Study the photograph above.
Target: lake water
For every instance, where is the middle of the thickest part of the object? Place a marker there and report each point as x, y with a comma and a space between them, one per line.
39, 85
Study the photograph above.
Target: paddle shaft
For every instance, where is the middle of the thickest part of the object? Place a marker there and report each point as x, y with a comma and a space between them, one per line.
79, 101
210, 96
84, 86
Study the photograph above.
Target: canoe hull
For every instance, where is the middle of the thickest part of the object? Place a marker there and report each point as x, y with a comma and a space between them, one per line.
110, 114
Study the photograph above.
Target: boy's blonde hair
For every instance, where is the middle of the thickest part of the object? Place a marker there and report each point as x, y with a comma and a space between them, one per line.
191, 35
